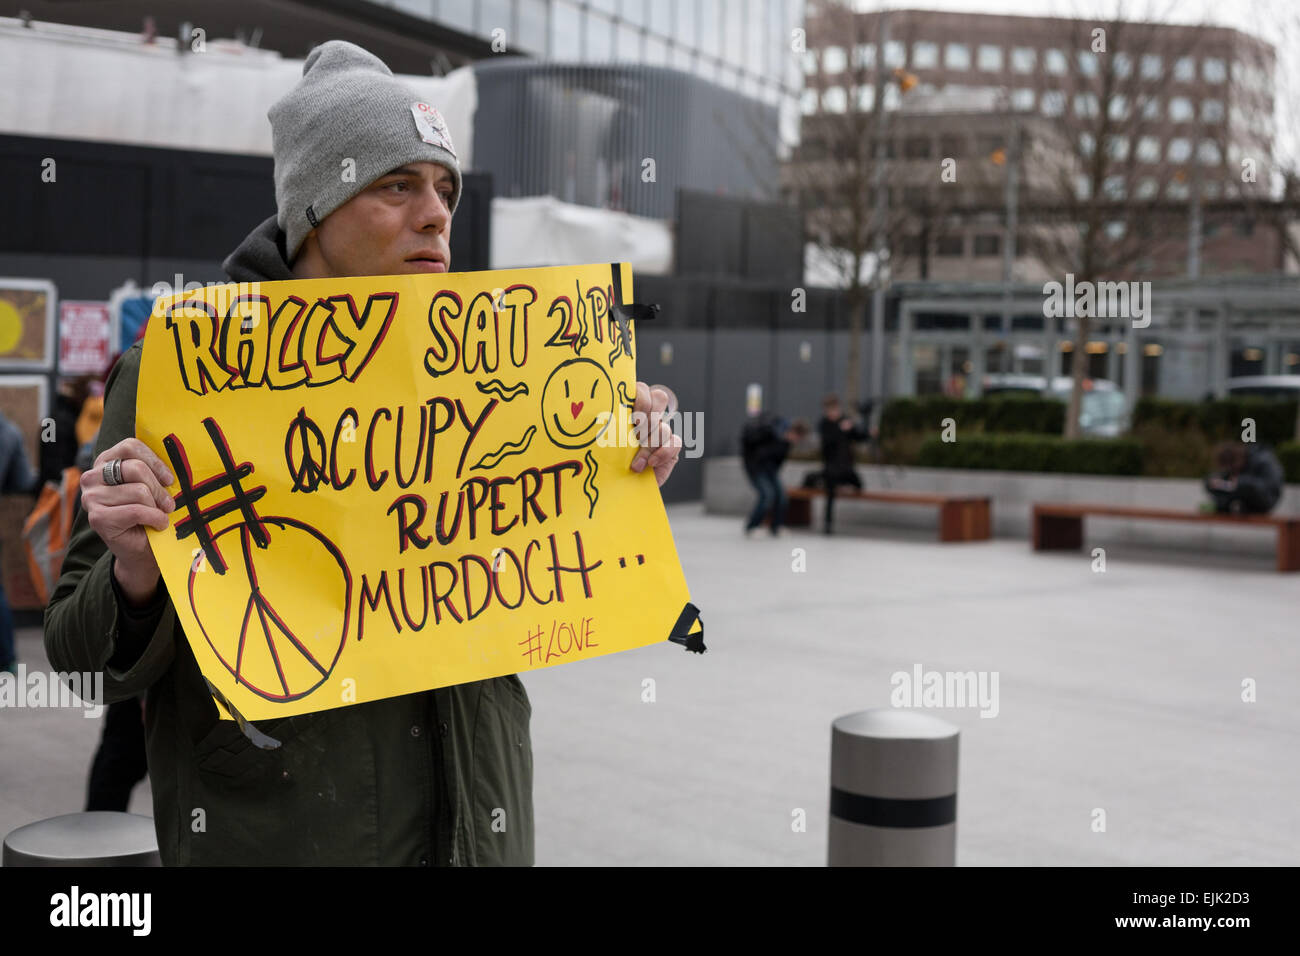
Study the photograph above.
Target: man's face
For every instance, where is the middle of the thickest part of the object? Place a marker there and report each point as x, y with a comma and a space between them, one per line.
399, 224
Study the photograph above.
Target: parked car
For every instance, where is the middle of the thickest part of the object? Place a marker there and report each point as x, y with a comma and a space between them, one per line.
1265, 386
1105, 411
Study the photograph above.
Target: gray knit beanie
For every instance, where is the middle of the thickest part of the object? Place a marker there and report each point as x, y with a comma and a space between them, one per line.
348, 105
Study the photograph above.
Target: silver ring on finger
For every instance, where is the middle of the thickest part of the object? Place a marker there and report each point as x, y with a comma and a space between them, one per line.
113, 472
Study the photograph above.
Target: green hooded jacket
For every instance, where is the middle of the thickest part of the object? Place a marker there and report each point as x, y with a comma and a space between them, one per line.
439, 778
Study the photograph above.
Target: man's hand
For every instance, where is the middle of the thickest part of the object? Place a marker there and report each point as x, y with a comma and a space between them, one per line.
660, 448
120, 513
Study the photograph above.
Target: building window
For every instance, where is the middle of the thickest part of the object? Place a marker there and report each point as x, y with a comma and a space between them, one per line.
988, 245
1118, 107
1024, 59
1022, 99
600, 41
1123, 65
1053, 102
1117, 148
1112, 187
1085, 104
808, 102
895, 54
1147, 188
989, 58
1153, 67
835, 100
1212, 111
956, 56
656, 51
1148, 149
834, 59
864, 56
916, 147
866, 97
1209, 153
710, 38
1180, 109
629, 44
495, 14
1151, 109
1054, 62
952, 147
1185, 69
1087, 61
1087, 143
1115, 229
915, 197
532, 26
1179, 149
1213, 70
925, 56
684, 32
566, 32
1082, 186
810, 62
950, 246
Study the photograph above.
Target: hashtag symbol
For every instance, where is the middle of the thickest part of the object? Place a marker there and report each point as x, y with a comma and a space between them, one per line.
199, 522
534, 642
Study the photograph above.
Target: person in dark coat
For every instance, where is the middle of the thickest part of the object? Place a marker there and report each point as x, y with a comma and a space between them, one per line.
765, 443
59, 450
838, 432
1248, 479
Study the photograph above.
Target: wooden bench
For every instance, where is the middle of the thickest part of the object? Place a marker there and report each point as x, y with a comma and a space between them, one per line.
961, 517
1060, 526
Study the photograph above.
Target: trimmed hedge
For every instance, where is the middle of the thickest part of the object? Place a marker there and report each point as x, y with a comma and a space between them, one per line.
1050, 453
1288, 453
1000, 413
1220, 419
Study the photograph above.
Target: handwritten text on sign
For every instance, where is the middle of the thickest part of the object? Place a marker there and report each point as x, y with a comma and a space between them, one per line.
392, 484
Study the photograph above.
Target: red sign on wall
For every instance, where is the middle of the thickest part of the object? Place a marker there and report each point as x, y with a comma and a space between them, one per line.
83, 338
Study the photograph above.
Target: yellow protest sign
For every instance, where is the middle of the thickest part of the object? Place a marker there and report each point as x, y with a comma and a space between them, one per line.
390, 484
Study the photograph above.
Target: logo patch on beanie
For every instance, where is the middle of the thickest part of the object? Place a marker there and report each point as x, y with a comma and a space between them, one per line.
432, 127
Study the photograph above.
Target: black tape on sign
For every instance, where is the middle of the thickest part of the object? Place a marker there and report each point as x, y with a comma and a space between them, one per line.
692, 642
631, 310
252, 733
893, 813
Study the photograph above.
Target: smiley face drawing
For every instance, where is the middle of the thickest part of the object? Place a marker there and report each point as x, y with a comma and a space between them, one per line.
573, 400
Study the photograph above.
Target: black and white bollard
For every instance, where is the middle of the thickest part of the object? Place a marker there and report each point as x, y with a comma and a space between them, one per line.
893, 790
94, 838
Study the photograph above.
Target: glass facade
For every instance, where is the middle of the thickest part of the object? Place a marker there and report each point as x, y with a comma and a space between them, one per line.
745, 45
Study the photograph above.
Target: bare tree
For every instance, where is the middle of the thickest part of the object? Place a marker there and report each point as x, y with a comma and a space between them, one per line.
1129, 199
844, 169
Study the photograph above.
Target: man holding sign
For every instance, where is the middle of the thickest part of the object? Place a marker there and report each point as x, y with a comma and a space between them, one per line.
190, 503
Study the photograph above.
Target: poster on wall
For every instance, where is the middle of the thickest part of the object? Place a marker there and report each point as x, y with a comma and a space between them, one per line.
27, 324
23, 400
84, 329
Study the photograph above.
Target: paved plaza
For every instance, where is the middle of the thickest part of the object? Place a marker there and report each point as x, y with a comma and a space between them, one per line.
1119, 690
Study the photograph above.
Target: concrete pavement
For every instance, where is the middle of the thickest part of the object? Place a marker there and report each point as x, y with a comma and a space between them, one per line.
1119, 691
